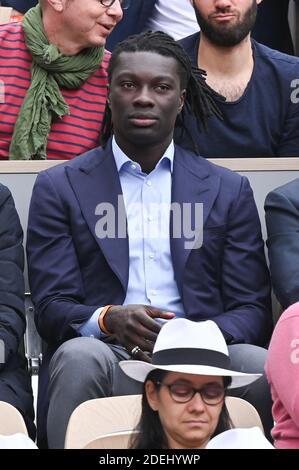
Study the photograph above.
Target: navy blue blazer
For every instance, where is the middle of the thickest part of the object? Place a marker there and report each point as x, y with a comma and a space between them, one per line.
72, 272
133, 22
15, 383
282, 218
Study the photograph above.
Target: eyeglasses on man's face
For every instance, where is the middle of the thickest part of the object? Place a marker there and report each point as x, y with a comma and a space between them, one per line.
123, 3
211, 394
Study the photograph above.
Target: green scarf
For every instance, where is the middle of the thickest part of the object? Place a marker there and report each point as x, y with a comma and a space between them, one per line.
44, 102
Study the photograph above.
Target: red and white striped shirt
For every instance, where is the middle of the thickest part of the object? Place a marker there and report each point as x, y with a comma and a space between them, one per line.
74, 133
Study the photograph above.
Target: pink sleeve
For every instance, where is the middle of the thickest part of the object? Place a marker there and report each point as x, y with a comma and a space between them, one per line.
282, 366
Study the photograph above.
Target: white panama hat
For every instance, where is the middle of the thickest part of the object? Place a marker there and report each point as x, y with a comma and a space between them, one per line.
191, 348
240, 438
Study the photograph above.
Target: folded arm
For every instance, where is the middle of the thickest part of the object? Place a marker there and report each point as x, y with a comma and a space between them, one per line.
12, 320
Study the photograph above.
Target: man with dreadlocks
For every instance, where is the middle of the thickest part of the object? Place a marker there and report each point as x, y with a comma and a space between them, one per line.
115, 239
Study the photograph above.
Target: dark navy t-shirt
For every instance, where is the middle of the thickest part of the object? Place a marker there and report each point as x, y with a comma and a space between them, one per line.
264, 122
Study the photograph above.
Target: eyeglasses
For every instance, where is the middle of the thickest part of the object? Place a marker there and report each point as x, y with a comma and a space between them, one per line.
123, 3
211, 394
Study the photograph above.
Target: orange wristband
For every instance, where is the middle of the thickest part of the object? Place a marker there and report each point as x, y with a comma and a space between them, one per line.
101, 319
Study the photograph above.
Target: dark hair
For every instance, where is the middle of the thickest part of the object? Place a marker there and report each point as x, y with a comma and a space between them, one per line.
151, 434
199, 96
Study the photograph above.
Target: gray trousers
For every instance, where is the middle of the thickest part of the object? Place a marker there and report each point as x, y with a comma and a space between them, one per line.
86, 368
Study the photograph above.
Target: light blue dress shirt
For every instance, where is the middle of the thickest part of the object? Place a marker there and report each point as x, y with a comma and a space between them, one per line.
147, 199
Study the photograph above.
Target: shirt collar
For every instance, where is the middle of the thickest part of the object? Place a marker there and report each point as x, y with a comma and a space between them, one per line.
121, 158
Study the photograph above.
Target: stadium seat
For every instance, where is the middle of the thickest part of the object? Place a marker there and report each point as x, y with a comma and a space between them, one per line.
110, 421
11, 420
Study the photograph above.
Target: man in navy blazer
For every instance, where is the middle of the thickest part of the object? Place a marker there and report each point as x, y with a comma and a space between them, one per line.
15, 384
103, 281
282, 218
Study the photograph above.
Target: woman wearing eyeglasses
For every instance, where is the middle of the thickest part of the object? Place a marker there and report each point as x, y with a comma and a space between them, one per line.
183, 402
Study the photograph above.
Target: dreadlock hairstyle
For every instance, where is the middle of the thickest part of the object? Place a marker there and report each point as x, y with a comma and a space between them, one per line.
199, 96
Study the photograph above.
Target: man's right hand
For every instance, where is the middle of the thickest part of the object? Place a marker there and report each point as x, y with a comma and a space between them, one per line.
135, 325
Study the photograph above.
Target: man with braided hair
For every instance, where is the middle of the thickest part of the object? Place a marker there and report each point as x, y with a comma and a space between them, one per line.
138, 231
199, 96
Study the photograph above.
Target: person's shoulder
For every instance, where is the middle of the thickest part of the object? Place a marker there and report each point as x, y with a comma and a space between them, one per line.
189, 41
287, 327
200, 165
106, 59
285, 63
289, 191
291, 313
225, 173
4, 194
14, 48
85, 162
11, 31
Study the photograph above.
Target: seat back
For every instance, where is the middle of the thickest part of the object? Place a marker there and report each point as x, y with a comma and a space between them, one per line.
242, 413
116, 440
116, 417
11, 420
102, 416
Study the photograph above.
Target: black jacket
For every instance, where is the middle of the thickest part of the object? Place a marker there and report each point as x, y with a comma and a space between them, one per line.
15, 386
272, 25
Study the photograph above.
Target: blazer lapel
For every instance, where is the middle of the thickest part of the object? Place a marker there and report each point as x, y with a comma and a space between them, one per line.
96, 181
97, 187
192, 182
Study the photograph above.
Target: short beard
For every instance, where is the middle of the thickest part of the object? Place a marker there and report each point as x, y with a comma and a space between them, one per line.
228, 37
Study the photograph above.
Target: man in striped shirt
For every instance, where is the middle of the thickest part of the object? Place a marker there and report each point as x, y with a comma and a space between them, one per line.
76, 28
